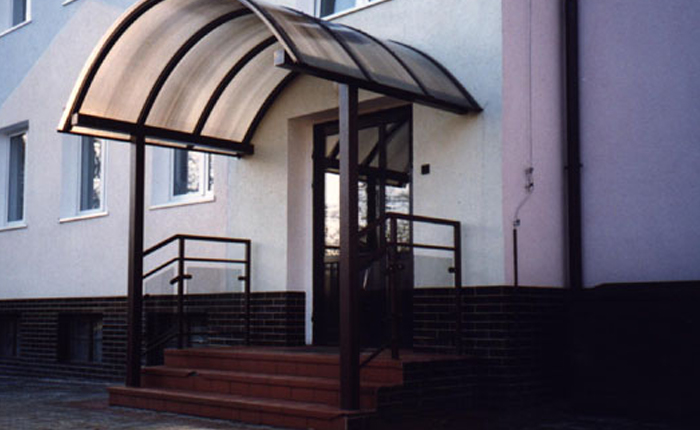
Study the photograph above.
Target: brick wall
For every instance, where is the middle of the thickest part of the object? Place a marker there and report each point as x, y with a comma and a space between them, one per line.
433, 385
38, 337
517, 336
277, 318
636, 348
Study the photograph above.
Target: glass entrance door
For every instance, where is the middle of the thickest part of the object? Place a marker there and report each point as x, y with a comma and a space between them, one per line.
384, 186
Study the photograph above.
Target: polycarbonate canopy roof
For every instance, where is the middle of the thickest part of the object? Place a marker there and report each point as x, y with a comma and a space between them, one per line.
201, 73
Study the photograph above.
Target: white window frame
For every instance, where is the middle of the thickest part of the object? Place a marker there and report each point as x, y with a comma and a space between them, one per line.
72, 180
205, 191
163, 180
359, 5
9, 26
6, 135
103, 170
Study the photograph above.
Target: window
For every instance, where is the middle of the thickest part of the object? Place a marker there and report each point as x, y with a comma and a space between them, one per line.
13, 148
84, 176
15, 12
192, 174
330, 7
181, 177
9, 339
80, 338
91, 180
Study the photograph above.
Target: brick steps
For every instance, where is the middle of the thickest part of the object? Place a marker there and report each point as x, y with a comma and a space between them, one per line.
280, 361
282, 387
293, 387
273, 386
274, 412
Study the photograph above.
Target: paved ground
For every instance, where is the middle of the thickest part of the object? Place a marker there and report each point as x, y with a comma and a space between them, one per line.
41, 404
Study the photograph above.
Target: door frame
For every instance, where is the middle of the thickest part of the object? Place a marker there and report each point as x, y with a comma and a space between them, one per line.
319, 168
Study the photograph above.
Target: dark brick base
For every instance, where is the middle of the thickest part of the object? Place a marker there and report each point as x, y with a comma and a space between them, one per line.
277, 318
517, 336
636, 349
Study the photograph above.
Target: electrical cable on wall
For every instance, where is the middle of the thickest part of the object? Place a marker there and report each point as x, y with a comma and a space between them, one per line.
529, 171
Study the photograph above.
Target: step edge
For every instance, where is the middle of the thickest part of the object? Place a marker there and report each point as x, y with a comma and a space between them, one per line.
287, 407
261, 378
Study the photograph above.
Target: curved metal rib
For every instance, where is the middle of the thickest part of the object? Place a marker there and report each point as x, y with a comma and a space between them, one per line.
398, 59
179, 55
345, 47
450, 76
266, 106
114, 36
227, 80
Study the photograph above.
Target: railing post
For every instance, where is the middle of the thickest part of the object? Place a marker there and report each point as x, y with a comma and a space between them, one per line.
457, 239
247, 293
394, 288
180, 293
135, 268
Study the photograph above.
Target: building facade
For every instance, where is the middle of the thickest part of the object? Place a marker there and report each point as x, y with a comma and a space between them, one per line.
501, 173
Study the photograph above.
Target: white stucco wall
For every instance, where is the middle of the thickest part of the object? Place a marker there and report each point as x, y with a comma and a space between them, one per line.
640, 86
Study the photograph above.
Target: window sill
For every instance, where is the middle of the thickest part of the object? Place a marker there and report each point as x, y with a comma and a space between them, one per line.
183, 202
81, 217
353, 10
16, 27
10, 227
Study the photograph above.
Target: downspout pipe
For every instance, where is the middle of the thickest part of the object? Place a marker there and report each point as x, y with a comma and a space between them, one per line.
573, 145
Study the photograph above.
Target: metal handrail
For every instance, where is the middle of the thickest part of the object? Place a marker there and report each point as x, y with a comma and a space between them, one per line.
182, 258
389, 248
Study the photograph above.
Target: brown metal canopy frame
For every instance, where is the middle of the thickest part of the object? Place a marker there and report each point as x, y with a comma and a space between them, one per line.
198, 74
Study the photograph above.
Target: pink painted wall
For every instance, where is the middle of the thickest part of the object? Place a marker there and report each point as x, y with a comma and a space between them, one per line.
640, 90
532, 137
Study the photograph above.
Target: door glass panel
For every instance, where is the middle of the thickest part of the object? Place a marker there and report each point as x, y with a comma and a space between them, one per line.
384, 185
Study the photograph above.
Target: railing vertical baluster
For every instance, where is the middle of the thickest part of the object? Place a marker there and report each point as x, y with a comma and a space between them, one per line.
180, 293
247, 293
393, 288
458, 284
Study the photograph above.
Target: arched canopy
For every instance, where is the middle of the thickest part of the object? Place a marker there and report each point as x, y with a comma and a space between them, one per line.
201, 73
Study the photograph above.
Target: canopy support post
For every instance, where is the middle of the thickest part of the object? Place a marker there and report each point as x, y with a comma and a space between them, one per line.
135, 288
349, 332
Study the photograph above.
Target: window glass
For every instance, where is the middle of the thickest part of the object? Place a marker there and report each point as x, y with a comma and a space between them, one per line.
91, 174
9, 345
80, 338
192, 173
19, 11
15, 194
